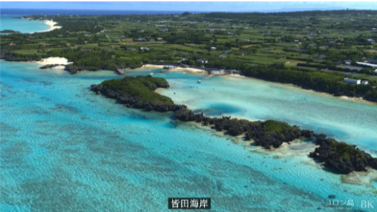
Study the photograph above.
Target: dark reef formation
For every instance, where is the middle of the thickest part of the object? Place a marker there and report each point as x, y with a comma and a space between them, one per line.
73, 69
136, 92
9, 31
50, 66
343, 157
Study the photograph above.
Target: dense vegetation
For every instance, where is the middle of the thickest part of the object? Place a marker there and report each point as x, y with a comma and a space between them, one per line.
311, 79
141, 87
307, 49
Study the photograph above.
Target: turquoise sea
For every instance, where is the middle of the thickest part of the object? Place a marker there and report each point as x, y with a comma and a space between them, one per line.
63, 148
10, 21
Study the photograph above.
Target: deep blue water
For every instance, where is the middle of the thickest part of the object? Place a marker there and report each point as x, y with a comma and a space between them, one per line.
140, 12
82, 12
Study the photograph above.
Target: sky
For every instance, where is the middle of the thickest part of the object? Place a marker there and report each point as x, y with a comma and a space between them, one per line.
196, 6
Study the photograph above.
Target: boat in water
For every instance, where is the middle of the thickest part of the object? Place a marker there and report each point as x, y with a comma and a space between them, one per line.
199, 81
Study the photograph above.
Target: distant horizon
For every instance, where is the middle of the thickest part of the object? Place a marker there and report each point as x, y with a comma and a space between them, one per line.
181, 11
238, 7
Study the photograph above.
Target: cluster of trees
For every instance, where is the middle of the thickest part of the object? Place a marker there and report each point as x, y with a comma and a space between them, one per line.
142, 87
310, 79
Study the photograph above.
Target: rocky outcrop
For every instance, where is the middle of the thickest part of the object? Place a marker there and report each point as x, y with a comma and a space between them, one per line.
342, 157
50, 66
134, 102
253, 130
73, 69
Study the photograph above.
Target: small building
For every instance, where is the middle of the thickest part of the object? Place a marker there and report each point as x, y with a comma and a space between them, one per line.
347, 62
165, 30
141, 40
169, 67
364, 82
232, 71
370, 40
332, 42
352, 81
230, 33
217, 72
213, 48
222, 56
375, 71
227, 51
144, 48
11, 44
202, 61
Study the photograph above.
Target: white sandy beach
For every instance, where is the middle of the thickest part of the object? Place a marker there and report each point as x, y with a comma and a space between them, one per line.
152, 66
51, 23
54, 60
190, 70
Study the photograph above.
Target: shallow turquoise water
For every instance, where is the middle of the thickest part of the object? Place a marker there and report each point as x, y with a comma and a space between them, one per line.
64, 148
351, 121
21, 25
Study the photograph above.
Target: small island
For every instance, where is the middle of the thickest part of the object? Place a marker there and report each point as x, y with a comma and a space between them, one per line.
138, 92
9, 31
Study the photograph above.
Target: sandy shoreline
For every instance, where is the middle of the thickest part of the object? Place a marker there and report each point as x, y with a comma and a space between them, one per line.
190, 70
54, 60
50, 23
152, 66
